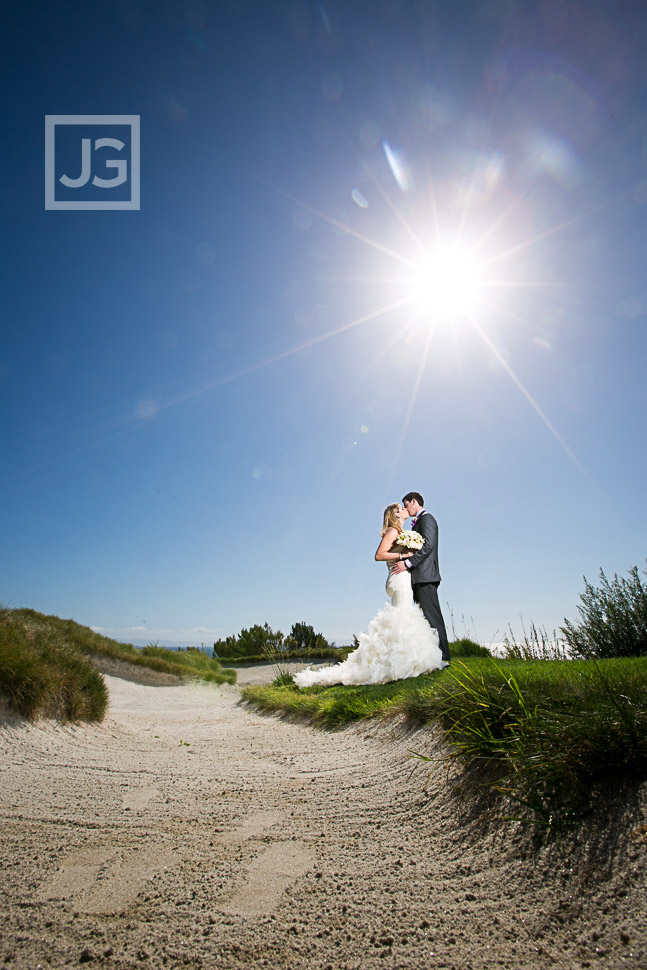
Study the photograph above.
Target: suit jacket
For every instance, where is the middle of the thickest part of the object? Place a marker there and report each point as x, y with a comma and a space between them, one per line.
423, 565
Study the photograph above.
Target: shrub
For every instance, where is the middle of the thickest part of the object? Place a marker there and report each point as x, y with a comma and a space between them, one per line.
468, 648
613, 618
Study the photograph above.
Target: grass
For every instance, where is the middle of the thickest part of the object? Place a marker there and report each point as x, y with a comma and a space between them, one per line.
283, 657
552, 735
329, 706
46, 666
191, 662
40, 674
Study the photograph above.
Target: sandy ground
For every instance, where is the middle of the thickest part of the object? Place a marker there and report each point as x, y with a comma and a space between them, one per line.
187, 831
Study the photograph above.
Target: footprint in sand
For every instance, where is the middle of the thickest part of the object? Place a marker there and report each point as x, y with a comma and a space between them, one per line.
251, 826
106, 880
269, 876
79, 873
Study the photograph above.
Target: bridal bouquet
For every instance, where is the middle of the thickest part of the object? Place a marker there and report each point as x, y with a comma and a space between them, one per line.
410, 539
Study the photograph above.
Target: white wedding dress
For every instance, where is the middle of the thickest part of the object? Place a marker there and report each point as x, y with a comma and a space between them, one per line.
399, 643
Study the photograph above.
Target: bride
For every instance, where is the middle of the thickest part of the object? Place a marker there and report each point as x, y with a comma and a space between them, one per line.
399, 642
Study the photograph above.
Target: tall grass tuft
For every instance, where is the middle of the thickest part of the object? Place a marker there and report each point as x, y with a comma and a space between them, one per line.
42, 674
535, 644
553, 735
277, 657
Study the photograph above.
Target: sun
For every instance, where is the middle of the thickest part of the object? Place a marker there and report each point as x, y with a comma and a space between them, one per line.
446, 282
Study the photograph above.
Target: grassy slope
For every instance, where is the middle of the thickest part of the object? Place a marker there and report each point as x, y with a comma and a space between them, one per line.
46, 665
551, 734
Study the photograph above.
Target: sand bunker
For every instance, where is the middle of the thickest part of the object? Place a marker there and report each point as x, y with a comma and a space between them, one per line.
187, 831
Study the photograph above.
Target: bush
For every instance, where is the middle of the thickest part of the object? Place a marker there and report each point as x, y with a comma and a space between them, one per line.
467, 648
613, 619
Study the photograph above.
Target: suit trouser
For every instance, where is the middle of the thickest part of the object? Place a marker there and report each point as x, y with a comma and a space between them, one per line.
426, 594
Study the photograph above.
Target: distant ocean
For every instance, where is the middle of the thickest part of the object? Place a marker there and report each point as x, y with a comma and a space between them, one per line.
207, 648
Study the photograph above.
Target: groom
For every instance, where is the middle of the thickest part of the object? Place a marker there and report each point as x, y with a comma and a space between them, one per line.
425, 576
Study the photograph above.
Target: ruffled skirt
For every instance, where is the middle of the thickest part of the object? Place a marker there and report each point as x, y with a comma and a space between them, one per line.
399, 643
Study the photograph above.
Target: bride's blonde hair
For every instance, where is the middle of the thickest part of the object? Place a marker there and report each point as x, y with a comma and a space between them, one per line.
391, 521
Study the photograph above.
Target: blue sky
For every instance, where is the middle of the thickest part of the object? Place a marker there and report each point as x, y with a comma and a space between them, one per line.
208, 402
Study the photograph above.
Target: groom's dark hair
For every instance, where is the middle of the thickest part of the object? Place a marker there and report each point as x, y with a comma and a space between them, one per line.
414, 497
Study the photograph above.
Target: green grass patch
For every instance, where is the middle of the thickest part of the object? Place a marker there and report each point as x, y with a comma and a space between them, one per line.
330, 706
552, 735
46, 665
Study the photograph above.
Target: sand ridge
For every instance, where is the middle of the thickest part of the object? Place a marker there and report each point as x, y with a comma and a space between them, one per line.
187, 830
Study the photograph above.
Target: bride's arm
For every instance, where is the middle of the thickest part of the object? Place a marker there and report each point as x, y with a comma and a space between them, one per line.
383, 553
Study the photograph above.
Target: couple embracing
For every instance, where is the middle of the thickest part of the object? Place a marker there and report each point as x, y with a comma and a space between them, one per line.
407, 637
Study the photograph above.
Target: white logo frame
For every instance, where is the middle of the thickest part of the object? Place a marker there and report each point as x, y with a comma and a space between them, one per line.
51, 202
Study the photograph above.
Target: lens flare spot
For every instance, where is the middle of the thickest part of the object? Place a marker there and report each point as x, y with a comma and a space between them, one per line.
542, 343
398, 165
359, 199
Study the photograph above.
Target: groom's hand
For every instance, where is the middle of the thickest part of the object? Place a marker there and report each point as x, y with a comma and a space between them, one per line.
399, 567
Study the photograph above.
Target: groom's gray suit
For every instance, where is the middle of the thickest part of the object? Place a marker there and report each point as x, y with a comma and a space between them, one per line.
425, 577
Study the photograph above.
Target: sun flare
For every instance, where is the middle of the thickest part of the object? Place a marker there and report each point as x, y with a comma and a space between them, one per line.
446, 283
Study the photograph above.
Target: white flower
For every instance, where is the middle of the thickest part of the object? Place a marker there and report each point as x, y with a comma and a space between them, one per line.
410, 539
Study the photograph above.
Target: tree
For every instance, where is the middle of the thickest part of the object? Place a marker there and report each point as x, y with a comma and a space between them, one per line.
250, 643
226, 648
613, 618
303, 639
259, 640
